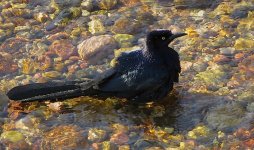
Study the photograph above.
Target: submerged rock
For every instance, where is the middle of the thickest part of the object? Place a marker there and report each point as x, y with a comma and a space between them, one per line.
64, 137
119, 138
97, 48
96, 26
107, 4
96, 135
124, 26
14, 45
195, 3
225, 116
62, 48
7, 64
13, 136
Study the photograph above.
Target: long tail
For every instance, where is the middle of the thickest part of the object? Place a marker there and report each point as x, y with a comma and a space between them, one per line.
49, 91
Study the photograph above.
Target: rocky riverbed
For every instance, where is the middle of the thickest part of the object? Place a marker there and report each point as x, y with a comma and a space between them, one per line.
212, 107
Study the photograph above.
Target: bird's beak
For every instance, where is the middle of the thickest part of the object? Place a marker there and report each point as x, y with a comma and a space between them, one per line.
177, 35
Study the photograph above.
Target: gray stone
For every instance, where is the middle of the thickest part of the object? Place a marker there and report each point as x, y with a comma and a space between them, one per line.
97, 48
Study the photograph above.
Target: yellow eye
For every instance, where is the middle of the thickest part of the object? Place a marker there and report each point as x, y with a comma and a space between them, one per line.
163, 38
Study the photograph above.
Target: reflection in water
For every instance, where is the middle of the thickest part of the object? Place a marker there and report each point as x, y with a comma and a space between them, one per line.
181, 112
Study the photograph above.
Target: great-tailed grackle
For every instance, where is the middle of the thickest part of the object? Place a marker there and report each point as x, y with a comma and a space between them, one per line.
140, 75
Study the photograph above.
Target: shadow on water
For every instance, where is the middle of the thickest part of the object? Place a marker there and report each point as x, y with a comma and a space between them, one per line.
179, 111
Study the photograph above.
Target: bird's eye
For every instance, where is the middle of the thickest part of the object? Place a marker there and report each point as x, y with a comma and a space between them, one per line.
163, 38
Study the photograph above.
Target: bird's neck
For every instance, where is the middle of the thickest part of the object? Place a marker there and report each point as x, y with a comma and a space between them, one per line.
155, 50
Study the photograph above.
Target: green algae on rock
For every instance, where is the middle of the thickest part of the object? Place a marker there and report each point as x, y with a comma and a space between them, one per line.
226, 117
107, 4
96, 26
212, 77
124, 40
13, 136
96, 135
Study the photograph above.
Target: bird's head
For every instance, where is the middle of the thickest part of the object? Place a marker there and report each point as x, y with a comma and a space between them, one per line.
161, 38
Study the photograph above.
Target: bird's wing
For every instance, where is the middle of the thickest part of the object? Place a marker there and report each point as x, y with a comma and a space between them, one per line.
128, 60
132, 74
134, 81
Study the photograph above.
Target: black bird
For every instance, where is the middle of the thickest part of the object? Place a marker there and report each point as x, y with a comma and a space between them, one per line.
140, 75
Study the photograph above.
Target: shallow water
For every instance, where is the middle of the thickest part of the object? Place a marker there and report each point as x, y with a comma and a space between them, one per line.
211, 107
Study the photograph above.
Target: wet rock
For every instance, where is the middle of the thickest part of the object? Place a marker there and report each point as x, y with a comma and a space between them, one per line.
64, 137
130, 2
246, 67
198, 132
246, 24
124, 40
96, 26
56, 106
194, 3
212, 77
17, 12
29, 122
108, 145
242, 133
97, 48
221, 59
249, 143
62, 48
51, 74
87, 5
244, 44
28, 66
7, 64
227, 50
14, 45
107, 4
143, 144
96, 135
124, 26
22, 28
191, 32
223, 8
35, 3
241, 12
63, 18
13, 136
119, 138
200, 66
58, 36
119, 128
60, 4
41, 17
186, 66
250, 107
225, 116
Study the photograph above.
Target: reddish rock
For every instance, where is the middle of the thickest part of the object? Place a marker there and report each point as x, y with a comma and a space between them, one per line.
239, 56
119, 138
62, 48
242, 133
249, 143
65, 137
58, 36
6, 64
130, 2
247, 67
221, 59
14, 45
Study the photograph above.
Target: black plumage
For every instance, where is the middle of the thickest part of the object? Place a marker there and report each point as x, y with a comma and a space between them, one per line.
141, 75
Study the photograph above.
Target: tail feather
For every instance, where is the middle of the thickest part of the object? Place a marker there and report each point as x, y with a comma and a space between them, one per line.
46, 91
